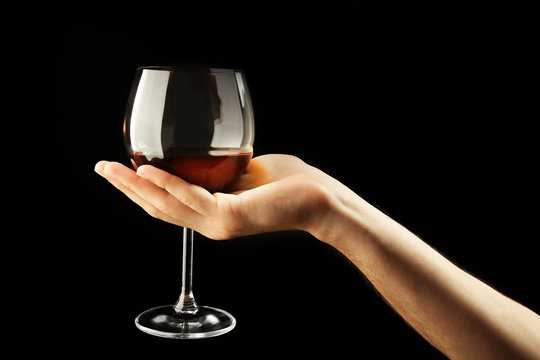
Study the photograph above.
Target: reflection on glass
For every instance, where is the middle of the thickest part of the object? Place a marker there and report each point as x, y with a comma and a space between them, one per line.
196, 124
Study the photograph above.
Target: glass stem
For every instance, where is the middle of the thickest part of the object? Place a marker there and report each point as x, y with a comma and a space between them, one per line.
186, 304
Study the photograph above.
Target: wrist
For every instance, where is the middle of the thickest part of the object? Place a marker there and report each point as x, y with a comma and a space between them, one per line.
344, 213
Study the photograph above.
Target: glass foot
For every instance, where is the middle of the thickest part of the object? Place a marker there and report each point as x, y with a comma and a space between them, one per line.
165, 322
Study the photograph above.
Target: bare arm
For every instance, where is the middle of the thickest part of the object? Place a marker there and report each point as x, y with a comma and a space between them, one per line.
455, 312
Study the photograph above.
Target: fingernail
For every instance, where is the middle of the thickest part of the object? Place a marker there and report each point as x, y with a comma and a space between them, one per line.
99, 168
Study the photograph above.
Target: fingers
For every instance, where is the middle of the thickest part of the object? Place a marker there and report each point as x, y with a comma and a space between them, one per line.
190, 195
153, 199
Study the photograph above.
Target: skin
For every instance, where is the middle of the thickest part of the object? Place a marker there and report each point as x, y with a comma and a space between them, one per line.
457, 313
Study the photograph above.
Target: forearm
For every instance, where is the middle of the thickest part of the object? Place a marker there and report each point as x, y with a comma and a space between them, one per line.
455, 312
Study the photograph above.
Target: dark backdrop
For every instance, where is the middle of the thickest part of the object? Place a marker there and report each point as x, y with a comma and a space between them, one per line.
426, 112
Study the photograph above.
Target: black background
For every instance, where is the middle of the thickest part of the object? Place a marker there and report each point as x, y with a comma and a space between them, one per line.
428, 112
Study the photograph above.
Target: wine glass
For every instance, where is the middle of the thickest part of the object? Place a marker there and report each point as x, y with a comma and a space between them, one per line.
196, 123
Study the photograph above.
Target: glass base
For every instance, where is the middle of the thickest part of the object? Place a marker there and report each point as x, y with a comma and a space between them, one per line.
164, 321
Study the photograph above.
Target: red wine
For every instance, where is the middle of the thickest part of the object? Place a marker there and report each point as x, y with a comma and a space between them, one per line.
213, 170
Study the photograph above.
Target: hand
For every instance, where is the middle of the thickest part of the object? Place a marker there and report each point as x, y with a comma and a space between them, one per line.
276, 192
456, 312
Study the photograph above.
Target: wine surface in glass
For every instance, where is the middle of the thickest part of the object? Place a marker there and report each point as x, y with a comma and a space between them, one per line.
212, 169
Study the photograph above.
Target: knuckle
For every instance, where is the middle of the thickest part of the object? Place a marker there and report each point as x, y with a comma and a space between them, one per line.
167, 182
221, 229
221, 234
229, 228
154, 212
184, 197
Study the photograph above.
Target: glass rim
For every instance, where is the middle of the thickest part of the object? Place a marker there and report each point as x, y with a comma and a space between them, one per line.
187, 68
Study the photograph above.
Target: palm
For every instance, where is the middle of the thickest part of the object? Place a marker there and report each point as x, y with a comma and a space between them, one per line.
276, 192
